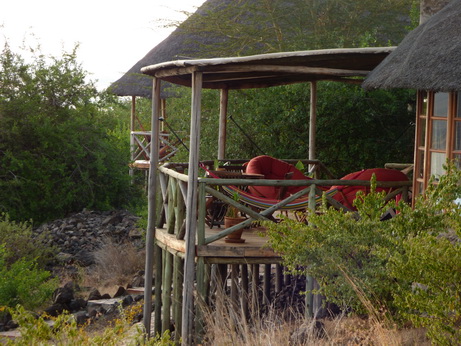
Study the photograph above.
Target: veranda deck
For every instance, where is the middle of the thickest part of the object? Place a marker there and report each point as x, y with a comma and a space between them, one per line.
255, 249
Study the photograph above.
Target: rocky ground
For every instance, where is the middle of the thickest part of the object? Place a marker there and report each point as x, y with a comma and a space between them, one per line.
76, 238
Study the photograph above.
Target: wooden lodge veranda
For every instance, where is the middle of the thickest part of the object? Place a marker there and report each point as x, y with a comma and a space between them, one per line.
186, 251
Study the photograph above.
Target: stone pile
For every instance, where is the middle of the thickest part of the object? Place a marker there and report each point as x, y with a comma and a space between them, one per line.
79, 235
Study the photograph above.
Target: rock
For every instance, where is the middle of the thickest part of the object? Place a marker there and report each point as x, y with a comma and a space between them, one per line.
63, 295
120, 292
77, 304
81, 317
94, 295
128, 300
54, 310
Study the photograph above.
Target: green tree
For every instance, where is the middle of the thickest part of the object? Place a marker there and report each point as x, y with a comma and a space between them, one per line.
59, 147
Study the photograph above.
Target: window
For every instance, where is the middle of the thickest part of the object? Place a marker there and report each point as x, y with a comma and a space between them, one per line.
438, 135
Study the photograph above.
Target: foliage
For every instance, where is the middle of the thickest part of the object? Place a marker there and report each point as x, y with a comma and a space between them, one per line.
65, 331
430, 258
61, 149
19, 242
22, 282
333, 241
408, 265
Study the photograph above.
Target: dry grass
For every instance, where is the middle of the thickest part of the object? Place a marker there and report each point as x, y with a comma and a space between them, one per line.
115, 264
225, 325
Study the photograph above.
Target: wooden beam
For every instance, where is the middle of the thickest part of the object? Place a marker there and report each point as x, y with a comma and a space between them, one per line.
191, 210
152, 192
223, 103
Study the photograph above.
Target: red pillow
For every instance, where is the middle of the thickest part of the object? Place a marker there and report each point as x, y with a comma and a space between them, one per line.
347, 194
273, 168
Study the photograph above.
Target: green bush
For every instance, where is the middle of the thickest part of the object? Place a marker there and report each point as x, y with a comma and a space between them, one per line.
24, 283
408, 266
61, 147
19, 242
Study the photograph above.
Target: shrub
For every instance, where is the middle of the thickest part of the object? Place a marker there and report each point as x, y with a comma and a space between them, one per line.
60, 147
24, 283
19, 242
408, 265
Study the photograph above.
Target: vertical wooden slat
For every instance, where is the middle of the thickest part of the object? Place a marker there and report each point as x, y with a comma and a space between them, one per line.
150, 236
177, 295
245, 293
166, 291
234, 285
267, 283
254, 285
191, 210
223, 102
278, 278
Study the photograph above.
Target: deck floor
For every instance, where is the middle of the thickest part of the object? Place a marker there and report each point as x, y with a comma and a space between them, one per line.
255, 249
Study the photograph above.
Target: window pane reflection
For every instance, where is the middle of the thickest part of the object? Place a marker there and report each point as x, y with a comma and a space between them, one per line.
437, 162
457, 135
440, 104
439, 134
422, 132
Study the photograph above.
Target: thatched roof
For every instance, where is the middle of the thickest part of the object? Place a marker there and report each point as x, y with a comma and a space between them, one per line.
180, 44
235, 28
429, 58
264, 70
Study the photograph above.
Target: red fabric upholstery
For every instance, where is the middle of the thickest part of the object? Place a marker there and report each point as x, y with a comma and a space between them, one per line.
273, 168
347, 194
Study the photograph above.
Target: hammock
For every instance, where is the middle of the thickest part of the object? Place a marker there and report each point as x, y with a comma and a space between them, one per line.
265, 203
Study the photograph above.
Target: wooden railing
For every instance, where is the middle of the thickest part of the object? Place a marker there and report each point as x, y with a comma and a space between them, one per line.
174, 185
140, 142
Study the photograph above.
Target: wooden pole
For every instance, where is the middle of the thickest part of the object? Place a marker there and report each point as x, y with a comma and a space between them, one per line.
223, 103
132, 140
150, 236
191, 211
312, 121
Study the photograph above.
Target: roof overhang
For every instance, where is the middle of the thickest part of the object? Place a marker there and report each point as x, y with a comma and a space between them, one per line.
266, 70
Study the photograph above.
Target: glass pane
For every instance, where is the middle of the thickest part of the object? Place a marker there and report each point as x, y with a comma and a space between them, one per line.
420, 163
422, 132
441, 105
437, 162
457, 135
439, 134
423, 96
458, 113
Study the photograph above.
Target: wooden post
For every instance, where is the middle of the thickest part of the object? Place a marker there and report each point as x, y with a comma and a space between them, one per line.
312, 122
267, 283
278, 278
166, 291
191, 211
132, 141
150, 236
178, 277
254, 286
223, 102
245, 293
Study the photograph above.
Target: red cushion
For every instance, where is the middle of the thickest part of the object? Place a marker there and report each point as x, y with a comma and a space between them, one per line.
347, 194
273, 168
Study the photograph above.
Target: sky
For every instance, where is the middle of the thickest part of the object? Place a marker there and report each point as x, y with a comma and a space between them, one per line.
112, 35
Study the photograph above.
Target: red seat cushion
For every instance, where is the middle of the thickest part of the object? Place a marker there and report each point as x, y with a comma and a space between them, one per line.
347, 194
273, 168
